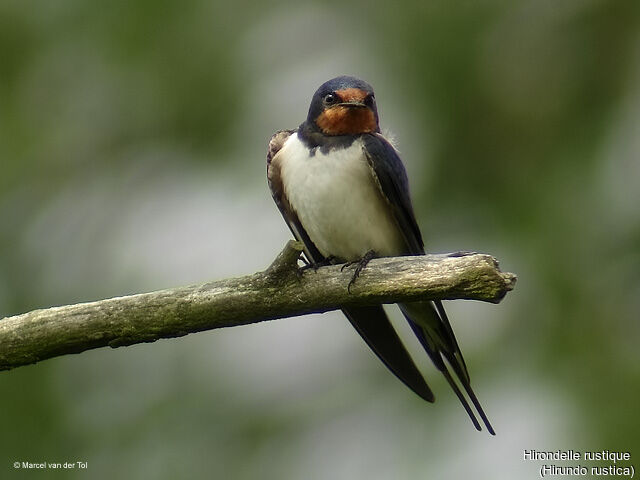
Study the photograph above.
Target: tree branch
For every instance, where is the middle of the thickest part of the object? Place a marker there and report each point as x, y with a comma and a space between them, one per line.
283, 290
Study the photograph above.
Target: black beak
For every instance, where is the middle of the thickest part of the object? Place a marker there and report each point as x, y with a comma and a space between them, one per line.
353, 103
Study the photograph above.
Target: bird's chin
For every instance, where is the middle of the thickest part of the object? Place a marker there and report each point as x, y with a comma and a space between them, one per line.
347, 119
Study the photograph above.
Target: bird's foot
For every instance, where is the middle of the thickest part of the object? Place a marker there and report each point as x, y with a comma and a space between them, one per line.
330, 260
360, 264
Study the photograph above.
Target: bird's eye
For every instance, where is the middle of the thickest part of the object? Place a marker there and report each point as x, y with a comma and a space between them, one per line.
370, 100
330, 98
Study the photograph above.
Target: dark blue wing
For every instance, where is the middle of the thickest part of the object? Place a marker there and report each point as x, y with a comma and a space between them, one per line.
427, 319
392, 178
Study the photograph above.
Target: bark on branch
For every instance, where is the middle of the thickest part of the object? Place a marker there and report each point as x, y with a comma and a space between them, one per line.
282, 290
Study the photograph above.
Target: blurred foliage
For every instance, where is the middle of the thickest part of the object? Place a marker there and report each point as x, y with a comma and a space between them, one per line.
532, 110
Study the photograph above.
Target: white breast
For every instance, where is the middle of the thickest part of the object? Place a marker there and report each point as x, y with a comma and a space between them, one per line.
338, 201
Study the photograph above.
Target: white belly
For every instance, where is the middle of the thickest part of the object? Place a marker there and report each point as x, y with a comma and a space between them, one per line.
338, 201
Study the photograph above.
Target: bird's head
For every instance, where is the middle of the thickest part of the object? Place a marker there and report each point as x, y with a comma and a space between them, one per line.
344, 106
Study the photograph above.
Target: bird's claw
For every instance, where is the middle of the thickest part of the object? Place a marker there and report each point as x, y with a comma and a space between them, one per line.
360, 264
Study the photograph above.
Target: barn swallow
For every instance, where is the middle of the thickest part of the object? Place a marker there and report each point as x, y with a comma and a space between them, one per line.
343, 191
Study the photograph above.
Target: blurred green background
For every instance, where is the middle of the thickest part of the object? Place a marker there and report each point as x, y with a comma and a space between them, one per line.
132, 157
